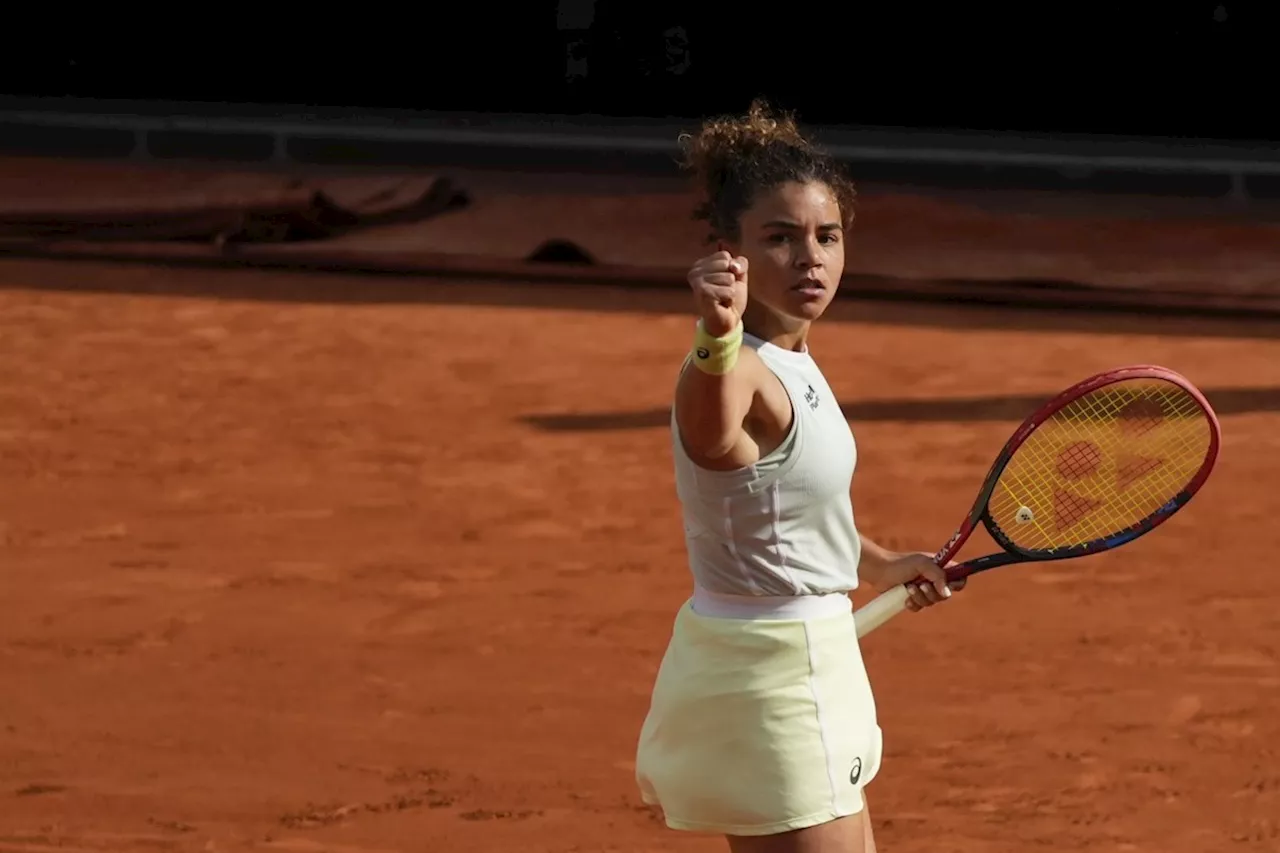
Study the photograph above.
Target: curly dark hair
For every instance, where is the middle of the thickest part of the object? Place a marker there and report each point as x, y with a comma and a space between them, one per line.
734, 158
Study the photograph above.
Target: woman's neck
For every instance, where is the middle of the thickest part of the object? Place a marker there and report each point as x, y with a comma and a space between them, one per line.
782, 332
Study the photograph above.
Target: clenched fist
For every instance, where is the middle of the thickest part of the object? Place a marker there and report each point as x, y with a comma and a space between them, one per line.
719, 284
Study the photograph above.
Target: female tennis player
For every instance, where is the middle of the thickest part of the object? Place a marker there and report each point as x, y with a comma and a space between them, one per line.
762, 726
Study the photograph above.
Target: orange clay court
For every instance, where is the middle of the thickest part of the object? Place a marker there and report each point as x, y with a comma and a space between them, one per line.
310, 562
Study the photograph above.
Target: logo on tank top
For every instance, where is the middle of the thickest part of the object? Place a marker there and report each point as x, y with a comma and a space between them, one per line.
811, 397
856, 772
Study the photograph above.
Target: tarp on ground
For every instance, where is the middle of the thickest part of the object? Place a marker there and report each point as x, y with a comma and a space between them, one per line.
908, 244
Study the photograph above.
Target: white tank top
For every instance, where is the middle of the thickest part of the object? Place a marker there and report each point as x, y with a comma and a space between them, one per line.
783, 526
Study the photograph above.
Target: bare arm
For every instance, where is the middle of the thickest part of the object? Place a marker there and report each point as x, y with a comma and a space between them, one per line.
711, 409
885, 569
716, 390
875, 562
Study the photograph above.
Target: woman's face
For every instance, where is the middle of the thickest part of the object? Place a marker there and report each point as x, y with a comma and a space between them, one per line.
793, 240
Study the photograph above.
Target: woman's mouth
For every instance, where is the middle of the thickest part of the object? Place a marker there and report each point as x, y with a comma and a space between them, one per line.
810, 289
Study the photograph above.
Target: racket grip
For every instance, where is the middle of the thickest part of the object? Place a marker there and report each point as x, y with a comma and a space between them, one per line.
880, 610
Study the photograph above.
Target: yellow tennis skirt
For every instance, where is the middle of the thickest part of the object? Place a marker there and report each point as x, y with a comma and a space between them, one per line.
759, 725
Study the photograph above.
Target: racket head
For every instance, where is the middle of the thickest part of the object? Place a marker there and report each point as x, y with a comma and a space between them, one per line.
1103, 463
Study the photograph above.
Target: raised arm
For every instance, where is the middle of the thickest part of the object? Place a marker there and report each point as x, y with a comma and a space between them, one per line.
715, 392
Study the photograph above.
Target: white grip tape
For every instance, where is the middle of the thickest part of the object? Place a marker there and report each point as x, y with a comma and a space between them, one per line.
880, 610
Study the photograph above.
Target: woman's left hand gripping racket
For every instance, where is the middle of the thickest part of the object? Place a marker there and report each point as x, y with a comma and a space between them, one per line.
1104, 462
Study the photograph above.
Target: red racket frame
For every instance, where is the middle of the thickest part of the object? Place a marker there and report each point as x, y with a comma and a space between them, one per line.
980, 512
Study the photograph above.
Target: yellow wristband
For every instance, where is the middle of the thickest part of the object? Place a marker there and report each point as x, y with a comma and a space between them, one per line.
716, 356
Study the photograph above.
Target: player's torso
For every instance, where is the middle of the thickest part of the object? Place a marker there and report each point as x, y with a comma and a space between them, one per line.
784, 524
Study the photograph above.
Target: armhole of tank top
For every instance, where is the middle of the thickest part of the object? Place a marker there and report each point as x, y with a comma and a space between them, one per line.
748, 478
794, 437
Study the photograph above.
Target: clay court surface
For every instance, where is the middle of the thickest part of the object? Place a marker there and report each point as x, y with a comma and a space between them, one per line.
292, 570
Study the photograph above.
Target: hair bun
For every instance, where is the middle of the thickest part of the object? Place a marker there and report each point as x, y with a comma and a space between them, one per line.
733, 157
727, 140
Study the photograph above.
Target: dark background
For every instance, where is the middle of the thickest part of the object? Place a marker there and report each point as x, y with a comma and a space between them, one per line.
1172, 69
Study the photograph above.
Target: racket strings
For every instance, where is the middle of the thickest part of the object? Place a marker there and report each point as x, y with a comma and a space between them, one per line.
1131, 496
1101, 465
1083, 456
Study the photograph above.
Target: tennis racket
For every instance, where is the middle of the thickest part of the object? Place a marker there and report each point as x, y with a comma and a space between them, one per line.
1104, 462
